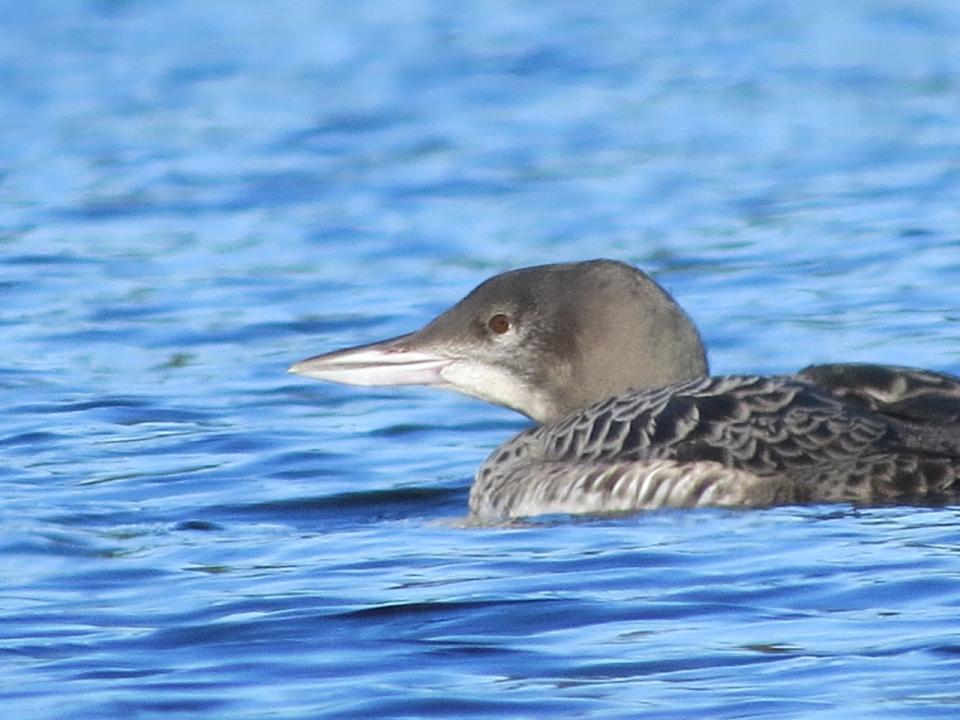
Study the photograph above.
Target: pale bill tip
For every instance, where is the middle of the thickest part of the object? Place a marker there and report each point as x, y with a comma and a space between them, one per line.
374, 366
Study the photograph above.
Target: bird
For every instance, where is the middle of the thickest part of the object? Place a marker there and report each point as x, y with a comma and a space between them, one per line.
626, 416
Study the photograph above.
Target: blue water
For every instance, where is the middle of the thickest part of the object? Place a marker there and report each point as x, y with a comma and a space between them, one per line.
194, 195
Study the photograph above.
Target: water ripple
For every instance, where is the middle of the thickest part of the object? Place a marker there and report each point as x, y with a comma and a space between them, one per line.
196, 195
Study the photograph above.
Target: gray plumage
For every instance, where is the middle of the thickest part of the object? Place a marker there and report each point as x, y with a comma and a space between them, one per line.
615, 373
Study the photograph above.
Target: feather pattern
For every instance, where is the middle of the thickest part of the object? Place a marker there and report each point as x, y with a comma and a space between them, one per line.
856, 433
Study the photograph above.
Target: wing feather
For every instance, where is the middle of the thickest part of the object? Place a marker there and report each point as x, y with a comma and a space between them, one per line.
831, 433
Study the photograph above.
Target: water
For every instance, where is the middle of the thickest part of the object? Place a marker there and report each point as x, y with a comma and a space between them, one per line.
194, 195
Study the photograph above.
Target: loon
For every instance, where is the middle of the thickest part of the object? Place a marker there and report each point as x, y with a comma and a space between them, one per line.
614, 374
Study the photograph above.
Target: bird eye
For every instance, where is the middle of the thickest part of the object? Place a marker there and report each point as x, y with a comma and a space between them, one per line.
499, 323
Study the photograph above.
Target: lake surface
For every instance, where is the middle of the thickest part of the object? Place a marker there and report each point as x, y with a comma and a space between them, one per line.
195, 195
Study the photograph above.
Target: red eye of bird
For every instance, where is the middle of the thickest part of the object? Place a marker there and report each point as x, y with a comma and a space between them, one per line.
499, 323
